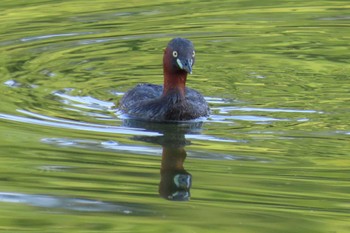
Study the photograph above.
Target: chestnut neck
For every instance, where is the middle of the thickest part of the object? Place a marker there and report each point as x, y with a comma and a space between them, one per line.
174, 78
175, 82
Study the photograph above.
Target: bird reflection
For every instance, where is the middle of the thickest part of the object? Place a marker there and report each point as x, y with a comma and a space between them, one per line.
175, 182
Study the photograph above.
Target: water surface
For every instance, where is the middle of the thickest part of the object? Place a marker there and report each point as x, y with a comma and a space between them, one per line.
272, 157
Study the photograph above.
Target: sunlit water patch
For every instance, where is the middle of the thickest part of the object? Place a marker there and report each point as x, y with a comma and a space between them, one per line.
75, 204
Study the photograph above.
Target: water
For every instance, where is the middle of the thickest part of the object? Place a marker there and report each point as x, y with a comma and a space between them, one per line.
272, 157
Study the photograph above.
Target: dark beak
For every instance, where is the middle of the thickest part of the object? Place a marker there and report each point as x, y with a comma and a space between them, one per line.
185, 64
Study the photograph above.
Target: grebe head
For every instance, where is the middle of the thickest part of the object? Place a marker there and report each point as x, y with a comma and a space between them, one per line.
179, 56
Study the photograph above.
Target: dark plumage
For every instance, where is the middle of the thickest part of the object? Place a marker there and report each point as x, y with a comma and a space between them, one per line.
173, 101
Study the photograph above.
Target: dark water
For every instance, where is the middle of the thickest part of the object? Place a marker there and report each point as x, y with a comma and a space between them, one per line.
272, 157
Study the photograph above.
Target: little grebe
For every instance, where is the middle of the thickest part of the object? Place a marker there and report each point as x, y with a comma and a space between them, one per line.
173, 101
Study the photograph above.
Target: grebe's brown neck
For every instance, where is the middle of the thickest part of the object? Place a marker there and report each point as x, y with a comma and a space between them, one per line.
175, 82
178, 60
174, 78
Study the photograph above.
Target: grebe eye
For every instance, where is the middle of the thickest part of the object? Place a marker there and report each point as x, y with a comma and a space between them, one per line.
193, 54
174, 53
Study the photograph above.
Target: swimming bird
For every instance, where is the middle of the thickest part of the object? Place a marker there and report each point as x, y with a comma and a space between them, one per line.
173, 101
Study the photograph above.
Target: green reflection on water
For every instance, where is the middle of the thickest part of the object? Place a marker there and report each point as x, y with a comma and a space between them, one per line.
288, 175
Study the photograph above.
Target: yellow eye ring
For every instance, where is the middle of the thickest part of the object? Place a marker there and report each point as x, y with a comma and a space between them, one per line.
194, 53
174, 53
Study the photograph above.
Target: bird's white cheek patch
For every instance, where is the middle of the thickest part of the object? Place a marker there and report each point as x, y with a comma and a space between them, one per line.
179, 63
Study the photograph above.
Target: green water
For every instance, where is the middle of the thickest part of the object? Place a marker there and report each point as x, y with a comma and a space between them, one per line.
273, 156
